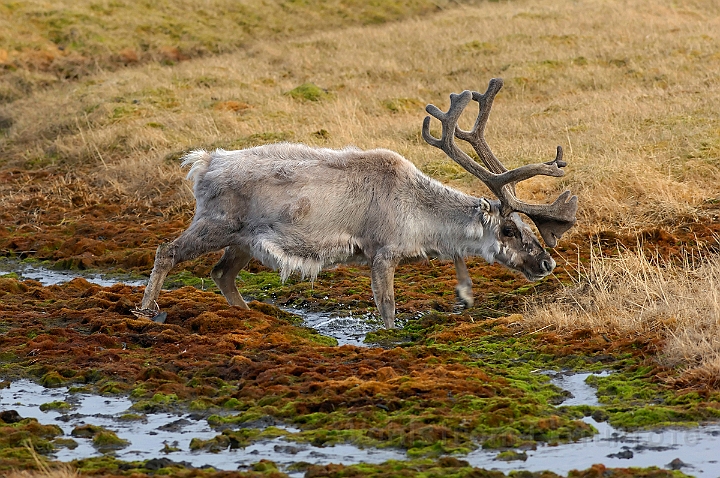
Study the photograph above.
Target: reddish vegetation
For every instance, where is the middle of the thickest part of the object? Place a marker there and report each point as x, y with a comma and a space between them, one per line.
80, 332
448, 465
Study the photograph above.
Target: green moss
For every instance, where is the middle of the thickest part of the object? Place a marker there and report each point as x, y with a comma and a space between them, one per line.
158, 402
200, 405
315, 337
264, 466
52, 380
512, 455
6, 357
113, 388
56, 405
68, 443
138, 392
108, 440
131, 417
309, 92
652, 416
185, 278
98, 465
86, 431
228, 439
232, 403
389, 337
234, 420
165, 399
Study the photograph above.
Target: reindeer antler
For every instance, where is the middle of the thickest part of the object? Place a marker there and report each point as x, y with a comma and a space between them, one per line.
552, 220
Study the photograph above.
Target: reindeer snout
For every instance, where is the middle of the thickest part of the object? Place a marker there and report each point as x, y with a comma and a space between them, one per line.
547, 265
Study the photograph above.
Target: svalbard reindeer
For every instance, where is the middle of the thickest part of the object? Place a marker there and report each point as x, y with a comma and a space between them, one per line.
300, 208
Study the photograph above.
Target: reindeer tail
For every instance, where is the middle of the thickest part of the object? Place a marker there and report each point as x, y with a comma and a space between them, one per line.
198, 160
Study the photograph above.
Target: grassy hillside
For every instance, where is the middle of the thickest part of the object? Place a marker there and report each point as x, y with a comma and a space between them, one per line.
44, 43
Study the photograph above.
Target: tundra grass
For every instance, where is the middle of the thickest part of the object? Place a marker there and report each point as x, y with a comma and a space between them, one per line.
64, 41
642, 293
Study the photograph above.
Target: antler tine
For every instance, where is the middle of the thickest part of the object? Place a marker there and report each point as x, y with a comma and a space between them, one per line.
446, 142
494, 181
552, 220
476, 137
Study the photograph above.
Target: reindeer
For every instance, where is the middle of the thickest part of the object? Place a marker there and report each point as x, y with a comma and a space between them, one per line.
299, 208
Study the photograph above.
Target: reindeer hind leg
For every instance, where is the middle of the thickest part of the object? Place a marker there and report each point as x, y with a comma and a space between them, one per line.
234, 259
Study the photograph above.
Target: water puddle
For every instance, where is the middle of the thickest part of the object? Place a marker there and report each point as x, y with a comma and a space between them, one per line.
347, 330
149, 436
52, 277
696, 448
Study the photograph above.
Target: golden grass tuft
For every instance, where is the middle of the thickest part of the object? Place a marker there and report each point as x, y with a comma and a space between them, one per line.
633, 294
44, 470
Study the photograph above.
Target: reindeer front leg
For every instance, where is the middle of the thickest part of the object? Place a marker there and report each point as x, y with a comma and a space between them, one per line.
463, 289
382, 278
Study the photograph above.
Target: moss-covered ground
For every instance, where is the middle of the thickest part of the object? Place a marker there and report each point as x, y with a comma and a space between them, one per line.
444, 384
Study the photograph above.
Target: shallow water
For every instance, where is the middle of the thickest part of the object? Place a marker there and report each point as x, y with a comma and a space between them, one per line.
699, 448
52, 277
347, 330
149, 435
696, 447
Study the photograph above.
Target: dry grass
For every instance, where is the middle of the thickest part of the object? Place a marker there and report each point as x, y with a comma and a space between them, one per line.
630, 88
44, 470
632, 92
62, 471
45, 43
633, 294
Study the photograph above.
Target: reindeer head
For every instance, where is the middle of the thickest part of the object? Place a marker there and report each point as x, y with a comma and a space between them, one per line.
519, 248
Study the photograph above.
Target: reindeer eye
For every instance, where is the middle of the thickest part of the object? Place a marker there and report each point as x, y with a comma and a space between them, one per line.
508, 232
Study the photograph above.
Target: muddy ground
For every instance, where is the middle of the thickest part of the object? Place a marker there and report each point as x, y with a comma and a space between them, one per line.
441, 386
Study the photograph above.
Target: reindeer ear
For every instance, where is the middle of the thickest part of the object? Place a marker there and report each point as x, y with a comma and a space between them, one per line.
551, 229
554, 220
485, 205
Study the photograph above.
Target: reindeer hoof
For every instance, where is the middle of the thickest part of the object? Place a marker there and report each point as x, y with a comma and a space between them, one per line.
160, 318
463, 301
